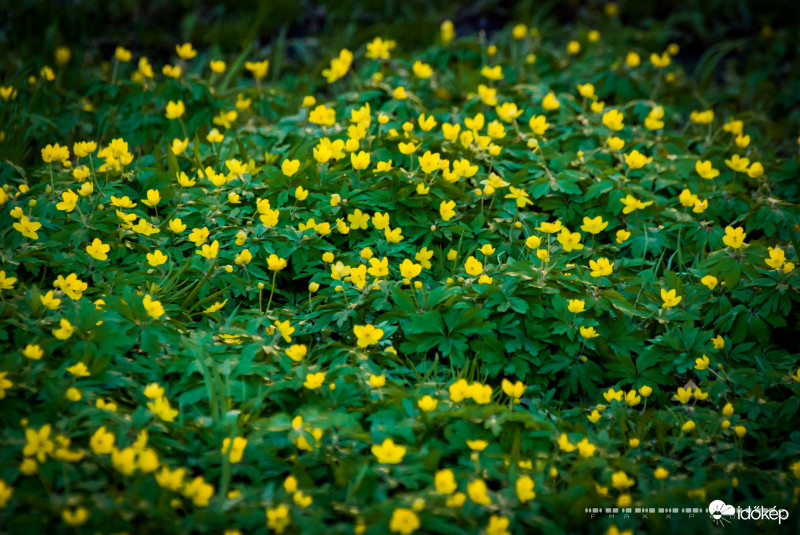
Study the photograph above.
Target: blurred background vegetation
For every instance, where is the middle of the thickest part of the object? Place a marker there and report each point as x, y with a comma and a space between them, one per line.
741, 52
155, 24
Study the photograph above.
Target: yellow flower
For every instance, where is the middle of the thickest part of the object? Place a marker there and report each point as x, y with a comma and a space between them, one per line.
152, 307
278, 518
378, 267
102, 441
688, 427
75, 517
235, 447
445, 482
156, 258
660, 61
613, 119
7, 283
737, 163
38, 443
586, 448
601, 268
209, 251
339, 66
33, 351
473, 266
632, 203
199, 491
360, 161
492, 73
297, 352
538, 124
276, 263
64, 331
27, 228
175, 110
594, 225
422, 70
734, 237
427, 404
533, 242
258, 68
153, 391
322, 115
564, 444
68, 201
718, 342
514, 390
632, 399
314, 380
446, 210
635, 160
508, 111
367, 335
701, 363
388, 452
756, 170
185, 51
8, 93
377, 381
576, 306
670, 298
477, 445
464, 168
477, 492
585, 90
550, 102
683, 395
404, 521
615, 143
300, 193
409, 270
98, 250
124, 461
170, 479
290, 167
776, 258
705, 170
6, 491
550, 228
621, 481
570, 241
161, 408
217, 66
524, 488
588, 332
429, 162
358, 220
380, 221
520, 196
216, 306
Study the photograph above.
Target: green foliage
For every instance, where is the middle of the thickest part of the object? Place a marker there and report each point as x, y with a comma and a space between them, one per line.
273, 357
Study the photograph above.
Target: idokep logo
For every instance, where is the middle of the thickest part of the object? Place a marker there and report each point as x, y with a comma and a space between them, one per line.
723, 513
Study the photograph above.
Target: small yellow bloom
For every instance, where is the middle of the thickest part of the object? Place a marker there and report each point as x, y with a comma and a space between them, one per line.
175, 110
670, 298
314, 380
388, 452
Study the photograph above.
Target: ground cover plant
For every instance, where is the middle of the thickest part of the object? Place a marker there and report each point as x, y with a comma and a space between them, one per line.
476, 286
